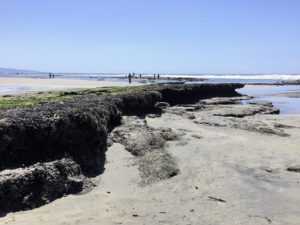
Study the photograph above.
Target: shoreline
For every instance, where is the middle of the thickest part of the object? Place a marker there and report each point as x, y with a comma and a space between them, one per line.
27, 85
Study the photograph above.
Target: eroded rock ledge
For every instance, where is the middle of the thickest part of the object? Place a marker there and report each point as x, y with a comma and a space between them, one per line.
54, 148
147, 144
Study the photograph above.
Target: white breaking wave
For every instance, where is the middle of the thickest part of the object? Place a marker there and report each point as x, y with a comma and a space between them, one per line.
205, 76
242, 77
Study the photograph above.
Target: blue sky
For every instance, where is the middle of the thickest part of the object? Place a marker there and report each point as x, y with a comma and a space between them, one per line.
164, 36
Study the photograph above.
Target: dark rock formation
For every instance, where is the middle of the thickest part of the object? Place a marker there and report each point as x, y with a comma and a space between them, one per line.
288, 82
231, 112
180, 94
52, 131
294, 168
135, 103
233, 107
162, 105
241, 111
138, 138
224, 101
39, 184
264, 103
147, 144
51, 149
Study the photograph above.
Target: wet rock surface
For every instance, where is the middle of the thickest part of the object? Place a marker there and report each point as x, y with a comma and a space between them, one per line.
189, 94
232, 113
264, 103
252, 125
241, 111
224, 101
234, 107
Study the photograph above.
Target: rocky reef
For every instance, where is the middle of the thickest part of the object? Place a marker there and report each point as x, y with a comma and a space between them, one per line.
147, 145
232, 112
53, 148
288, 82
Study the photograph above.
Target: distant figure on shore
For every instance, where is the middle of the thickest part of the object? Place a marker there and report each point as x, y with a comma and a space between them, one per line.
140, 76
129, 78
158, 76
50, 75
154, 76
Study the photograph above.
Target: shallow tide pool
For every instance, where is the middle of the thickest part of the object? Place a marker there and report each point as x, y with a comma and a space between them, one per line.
287, 105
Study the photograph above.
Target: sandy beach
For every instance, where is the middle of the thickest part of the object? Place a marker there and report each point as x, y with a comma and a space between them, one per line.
150, 112
233, 169
40, 84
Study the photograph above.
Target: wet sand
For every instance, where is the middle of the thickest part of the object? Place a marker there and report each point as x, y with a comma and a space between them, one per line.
290, 95
228, 175
36, 84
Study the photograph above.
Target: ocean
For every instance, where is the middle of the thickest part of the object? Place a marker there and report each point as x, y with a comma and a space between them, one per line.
223, 78
266, 92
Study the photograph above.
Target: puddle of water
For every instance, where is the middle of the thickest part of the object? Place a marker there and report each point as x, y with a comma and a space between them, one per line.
268, 93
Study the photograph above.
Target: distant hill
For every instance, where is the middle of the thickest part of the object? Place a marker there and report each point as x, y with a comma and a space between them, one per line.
14, 71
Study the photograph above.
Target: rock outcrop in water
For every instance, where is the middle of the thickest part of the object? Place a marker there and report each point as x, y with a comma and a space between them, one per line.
53, 149
233, 113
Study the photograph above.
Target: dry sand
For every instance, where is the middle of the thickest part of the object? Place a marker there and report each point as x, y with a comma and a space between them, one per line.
227, 176
57, 82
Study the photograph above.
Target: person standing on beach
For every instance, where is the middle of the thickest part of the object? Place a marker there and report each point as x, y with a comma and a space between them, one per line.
158, 76
154, 76
129, 78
